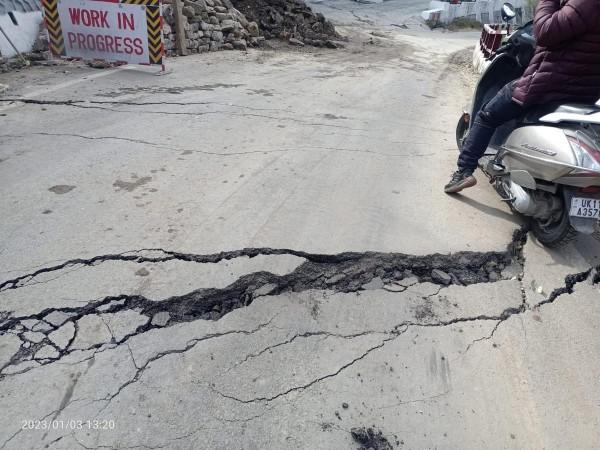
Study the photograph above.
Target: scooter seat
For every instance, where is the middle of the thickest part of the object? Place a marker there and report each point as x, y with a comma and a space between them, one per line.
554, 113
577, 109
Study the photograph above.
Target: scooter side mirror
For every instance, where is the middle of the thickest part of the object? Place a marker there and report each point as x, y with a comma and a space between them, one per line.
508, 12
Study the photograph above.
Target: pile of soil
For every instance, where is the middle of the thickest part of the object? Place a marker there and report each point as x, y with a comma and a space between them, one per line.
292, 20
368, 438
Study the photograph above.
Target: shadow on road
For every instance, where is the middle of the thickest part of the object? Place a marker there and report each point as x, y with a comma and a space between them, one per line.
490, 210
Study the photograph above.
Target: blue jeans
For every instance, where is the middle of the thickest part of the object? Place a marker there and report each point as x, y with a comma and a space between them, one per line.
496, 112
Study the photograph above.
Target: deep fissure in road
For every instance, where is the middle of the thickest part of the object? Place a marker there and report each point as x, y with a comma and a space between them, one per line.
344, 272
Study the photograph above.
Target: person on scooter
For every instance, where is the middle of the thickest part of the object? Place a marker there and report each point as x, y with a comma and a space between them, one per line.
564, 68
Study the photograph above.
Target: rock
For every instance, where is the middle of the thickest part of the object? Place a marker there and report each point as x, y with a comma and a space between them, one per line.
46, 352
29, 323
161, 319
296, 42
42, 327
375, 283
331, 44
265, 289
214, 46
210, 2
167, 28
334, 279
199, 7
227, 25
188, 11
239, 17
214, 20
345, 405
441, 277
227, 46
253, 29
143, 272
110, 305
494, 276
409, 281
240, 45
63, 335
221, 9
34, 337
222, 16
216, 36
205, 26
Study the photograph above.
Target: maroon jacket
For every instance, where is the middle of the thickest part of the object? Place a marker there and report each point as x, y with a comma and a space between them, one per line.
566, 63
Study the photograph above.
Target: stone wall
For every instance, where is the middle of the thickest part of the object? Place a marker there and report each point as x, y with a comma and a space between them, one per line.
210, 25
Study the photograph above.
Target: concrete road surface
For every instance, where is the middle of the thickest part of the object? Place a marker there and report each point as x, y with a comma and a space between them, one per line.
254, 252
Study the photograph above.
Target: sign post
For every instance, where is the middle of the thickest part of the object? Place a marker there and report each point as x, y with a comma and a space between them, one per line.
123, 31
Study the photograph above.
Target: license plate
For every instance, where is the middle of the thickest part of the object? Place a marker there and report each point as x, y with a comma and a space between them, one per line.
585, 207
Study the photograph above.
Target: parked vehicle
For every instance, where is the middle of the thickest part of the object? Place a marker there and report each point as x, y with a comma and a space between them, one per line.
546, 165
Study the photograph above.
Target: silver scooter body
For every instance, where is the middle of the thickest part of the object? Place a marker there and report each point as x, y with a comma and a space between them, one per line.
547, 163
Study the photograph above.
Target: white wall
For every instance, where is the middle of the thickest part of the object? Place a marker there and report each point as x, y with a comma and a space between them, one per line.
22, 35
484, 11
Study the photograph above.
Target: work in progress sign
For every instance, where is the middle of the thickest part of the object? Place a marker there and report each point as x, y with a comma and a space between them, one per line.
129, 31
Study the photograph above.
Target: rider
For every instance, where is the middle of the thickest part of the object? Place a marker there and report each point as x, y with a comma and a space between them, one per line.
564, 68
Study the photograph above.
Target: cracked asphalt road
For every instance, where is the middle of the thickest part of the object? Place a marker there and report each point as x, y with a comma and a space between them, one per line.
254, 252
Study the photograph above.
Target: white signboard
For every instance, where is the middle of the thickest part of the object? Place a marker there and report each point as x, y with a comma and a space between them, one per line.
103, 30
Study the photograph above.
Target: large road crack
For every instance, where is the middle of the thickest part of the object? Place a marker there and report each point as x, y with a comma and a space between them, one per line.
343, 272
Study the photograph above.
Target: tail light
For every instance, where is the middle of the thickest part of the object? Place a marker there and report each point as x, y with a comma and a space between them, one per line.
586, 151
590, 190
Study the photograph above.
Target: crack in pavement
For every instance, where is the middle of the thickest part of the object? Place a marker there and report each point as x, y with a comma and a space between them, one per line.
401, 329
189, 345
308, 385
250, 152
344, 272
93, 105
307, 334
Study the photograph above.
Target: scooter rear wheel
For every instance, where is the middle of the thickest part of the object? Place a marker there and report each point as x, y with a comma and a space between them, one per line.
556, 234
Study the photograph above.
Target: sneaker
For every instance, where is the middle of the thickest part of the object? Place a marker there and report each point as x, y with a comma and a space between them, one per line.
460, 180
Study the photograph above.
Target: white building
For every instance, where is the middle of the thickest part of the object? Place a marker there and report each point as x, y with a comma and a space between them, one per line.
484, 11
20, 20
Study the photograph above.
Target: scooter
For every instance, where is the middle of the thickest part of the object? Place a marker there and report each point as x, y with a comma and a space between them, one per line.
545, 165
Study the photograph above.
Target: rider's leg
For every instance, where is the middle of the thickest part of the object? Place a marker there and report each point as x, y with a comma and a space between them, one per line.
496, 112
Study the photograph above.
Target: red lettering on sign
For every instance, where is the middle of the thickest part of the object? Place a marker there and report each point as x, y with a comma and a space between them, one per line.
93, 18
86, 17
139, 50
75, 15
94, 15
109, 43
81, 40
104, 19
124, 22
105, 43
72, 38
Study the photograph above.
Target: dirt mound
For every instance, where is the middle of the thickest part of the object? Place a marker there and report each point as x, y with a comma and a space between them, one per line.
290, 20
370, 439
